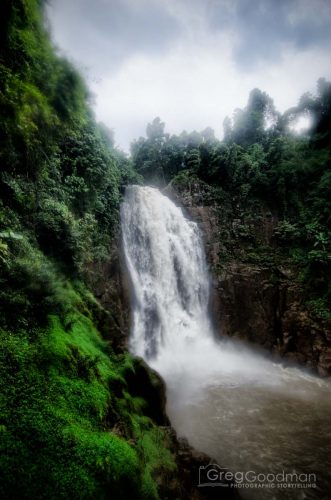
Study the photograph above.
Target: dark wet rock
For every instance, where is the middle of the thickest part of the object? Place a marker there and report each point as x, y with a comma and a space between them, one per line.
144, 382
185, 483
261, 303
192, 465
110, 285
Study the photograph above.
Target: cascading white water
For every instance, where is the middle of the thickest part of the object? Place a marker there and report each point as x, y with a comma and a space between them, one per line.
168, 271
171, 325
172, 330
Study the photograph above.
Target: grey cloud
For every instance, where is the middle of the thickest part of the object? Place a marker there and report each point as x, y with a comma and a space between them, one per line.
103, 33
264, 27
281, 46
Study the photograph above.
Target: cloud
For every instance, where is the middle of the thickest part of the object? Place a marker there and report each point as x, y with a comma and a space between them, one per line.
267, 28
192, 62
195, 88
102, 34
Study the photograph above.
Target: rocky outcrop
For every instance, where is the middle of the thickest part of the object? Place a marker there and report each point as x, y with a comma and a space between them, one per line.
190, 463
109, 282
183, 484
259, 307
145, 383
257, 299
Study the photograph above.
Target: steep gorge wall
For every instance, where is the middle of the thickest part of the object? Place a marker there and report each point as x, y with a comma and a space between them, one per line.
109, 282
258, 300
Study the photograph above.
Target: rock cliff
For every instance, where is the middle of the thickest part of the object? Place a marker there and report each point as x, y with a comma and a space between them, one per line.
256, 295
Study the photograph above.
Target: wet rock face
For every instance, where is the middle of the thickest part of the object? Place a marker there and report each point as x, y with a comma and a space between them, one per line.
261, 303
189, 463
253, 307
109, 282
145, 383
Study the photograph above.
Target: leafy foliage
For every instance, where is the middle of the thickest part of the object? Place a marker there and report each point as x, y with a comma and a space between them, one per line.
69, 427
261, 163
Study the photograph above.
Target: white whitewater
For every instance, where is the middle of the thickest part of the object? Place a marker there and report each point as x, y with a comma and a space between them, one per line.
169, 274
218, 383
171, 326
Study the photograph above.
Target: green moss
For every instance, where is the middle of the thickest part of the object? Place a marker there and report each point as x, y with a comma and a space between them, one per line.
66, 416
320, 308
60, 419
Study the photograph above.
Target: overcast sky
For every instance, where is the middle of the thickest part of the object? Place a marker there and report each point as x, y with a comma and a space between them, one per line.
191, 62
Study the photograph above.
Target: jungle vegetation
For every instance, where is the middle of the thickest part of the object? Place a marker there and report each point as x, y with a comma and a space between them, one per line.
261, 162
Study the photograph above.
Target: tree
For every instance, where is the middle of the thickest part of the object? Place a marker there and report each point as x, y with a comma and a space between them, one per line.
147, 154
155, 130
318, 109
250, 124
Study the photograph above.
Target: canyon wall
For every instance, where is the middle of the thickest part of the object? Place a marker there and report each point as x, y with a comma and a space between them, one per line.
256, 295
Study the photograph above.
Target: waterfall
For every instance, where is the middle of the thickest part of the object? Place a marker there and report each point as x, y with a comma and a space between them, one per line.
171, 328
167, 265
226, 399
168, 269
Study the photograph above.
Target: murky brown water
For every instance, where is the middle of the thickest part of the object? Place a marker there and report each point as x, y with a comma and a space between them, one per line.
250, 427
